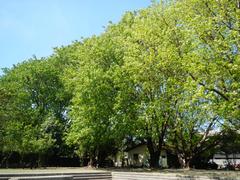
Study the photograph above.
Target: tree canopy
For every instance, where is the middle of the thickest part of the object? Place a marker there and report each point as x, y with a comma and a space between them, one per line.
168, 75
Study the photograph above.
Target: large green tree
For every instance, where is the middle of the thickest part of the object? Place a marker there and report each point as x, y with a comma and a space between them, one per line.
150, 79
33, 114
213, 62
93, 99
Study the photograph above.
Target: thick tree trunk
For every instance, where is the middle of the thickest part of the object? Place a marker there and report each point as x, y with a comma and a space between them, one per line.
154, 154
93, 158
227, 158
91, 162
184, 161
21, 164
41, 160
100, 158
187, 164
154, 160
5, 159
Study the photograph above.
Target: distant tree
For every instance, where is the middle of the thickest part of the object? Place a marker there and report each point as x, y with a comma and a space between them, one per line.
230, 144
34, 110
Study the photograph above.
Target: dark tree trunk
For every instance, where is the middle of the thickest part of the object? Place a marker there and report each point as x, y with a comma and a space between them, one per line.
154, 154
5, 159
100, 158
41, 160
154, 160
93, 158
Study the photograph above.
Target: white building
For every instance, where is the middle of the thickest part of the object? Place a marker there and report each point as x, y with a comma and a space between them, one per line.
138, 156
221, 159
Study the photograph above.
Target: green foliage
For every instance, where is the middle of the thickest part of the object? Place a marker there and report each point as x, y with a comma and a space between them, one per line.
230, 142
167, 74
34, 106
213, 62
93, 98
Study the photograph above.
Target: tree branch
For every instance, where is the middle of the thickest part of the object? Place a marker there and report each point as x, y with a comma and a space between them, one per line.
210, 89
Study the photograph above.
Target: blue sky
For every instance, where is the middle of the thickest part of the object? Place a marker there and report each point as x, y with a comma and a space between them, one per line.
34, 27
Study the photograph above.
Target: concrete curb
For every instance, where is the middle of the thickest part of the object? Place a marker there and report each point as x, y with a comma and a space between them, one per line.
43, 178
